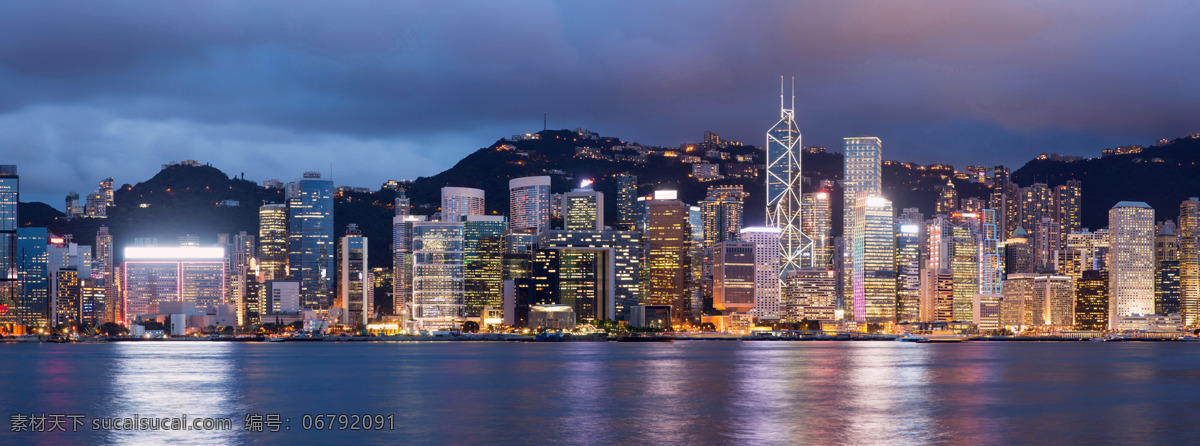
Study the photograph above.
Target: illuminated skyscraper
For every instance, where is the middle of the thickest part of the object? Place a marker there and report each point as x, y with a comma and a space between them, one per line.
1131, 262
766, 270
272, 242
31, 306
583, 209
1091, 301
964, 263
721, 214
239, 252
947, 201
483, 247
103, 274
459, 202
874, 261
734, 276
809, 294
529, 203
783, 189
863, 177
156, 275
311, 245
437, 300
817, 224
1069, 208
9, 284
628, 211
353, 286
666, 247
985, 307
1189, 261
623, 249
106, 191
909, 227
402, 264
1037, 202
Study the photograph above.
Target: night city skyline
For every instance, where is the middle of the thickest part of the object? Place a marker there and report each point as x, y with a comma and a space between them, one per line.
600, 222
270, 90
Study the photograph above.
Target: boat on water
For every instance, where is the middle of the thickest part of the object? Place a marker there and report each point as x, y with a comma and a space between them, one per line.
275, 339
943, 338
1188, 339
909, 337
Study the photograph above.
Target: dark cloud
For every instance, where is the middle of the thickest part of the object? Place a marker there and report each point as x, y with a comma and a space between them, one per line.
386, 90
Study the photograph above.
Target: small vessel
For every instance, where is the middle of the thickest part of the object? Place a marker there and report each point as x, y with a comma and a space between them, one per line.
275, 339
1188, 339
943, 336
909, 337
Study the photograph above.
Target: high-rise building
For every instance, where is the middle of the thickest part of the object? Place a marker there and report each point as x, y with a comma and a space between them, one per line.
95, 206
156, 275
874, 261
1091, 301
909, 227
1131, 262
784, 178
947, 201
621, 246
1037, 202
810, 294
437, 300
1166, 288
1018, 253
1091, 247
1069, 209
1189, 261
1038, 301
104, 274
459, 202
311, 245
483, 248
9, 197
66, 294
583, 209
272, 242
721, 214
985, 307
816, 222
1046, 242
964, 263
733, 276
239, 251
766, 270
628, 211
353, 284
402, 264
667, 236
529, 203
32, 299
106, 190
863, 177
403, 203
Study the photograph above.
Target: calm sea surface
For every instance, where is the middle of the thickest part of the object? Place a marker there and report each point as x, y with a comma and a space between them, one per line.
693, 392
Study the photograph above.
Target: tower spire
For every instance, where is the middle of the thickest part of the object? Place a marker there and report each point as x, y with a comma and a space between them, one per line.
781, 114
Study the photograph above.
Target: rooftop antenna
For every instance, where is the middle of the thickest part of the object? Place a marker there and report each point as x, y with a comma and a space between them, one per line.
793, 94
781, 96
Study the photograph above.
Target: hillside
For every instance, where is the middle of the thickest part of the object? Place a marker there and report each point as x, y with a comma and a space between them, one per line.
1162, 176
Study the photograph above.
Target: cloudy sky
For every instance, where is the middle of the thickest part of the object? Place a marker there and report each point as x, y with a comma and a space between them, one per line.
395, 90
